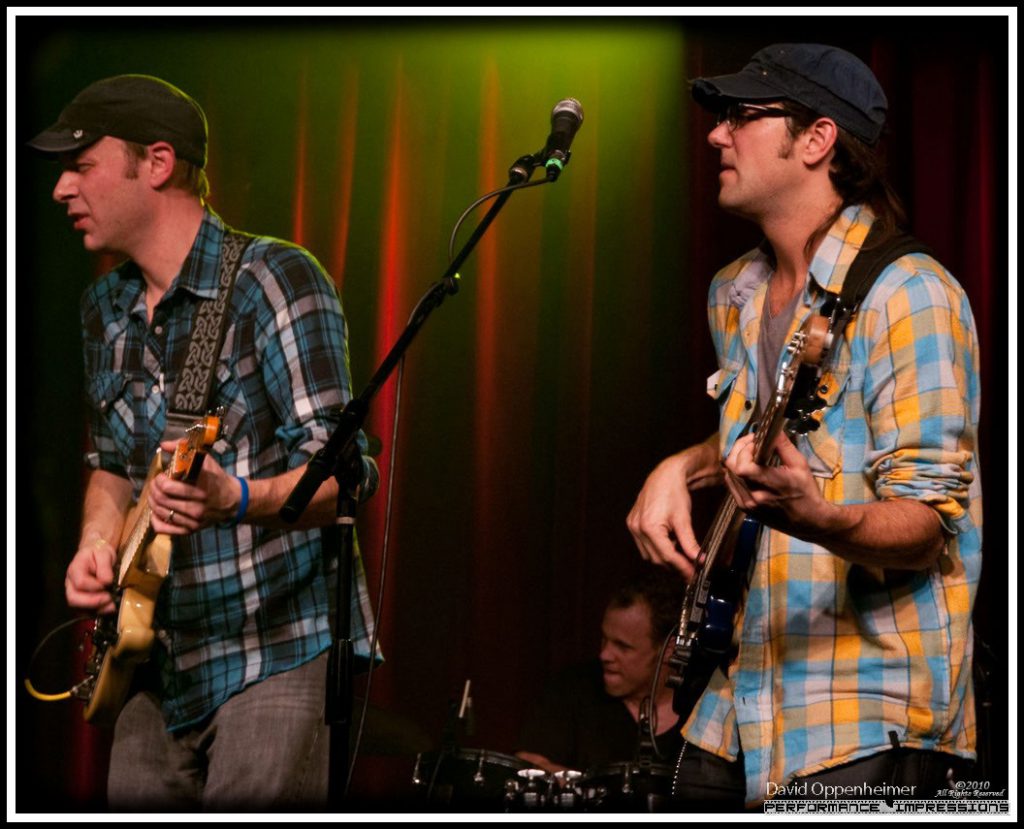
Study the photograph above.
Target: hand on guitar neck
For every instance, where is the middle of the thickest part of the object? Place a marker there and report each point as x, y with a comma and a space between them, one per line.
109, 515
783, 495
898, 534
181, 507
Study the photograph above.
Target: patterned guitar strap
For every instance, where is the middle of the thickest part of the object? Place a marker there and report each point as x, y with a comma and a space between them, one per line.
195, 381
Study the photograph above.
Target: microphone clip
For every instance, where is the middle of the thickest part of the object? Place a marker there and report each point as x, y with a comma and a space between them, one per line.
522, 168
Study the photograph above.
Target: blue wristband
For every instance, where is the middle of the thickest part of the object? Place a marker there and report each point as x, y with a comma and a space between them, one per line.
243, 504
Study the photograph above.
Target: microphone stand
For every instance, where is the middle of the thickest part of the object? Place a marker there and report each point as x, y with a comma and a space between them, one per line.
338, 709
341, 457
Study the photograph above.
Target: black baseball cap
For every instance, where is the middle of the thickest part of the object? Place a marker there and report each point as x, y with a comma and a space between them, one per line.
137, 108
828, 80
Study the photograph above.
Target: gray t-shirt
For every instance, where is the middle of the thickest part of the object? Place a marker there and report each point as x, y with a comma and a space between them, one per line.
770, 343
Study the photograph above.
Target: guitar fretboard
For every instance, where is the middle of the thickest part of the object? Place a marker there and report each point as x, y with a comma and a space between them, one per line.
136, 541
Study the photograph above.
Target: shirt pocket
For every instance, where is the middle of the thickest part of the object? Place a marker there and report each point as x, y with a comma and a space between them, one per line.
112, 399
719, 383
728, 387
228, 392
823, 446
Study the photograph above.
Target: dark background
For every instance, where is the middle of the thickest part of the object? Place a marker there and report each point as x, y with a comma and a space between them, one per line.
573, 359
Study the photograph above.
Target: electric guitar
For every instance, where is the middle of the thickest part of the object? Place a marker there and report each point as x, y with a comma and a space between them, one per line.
714, 594
144, 558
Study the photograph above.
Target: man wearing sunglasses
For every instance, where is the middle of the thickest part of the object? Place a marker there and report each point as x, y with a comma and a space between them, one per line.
850, 672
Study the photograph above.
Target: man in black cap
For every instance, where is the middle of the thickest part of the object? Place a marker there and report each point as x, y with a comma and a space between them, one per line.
231, 713
850, 671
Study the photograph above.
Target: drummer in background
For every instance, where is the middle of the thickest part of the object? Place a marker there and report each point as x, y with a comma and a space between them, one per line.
589, 715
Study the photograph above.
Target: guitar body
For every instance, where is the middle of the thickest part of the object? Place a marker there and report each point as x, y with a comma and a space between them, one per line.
711, 628
726, 593
131, 640
144, 562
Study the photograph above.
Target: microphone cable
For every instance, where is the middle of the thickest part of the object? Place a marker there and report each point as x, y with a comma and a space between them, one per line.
392, 463
384, 557
507, 189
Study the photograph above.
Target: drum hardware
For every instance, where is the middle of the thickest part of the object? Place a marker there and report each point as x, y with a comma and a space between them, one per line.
473, 779
534, 790
627, 787
528, 791
568, 795
478, 777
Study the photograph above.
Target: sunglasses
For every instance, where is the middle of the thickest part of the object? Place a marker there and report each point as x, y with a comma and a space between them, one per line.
737, 115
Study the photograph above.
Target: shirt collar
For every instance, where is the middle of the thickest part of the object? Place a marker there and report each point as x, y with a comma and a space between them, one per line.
840, 247
828, 268
199, 274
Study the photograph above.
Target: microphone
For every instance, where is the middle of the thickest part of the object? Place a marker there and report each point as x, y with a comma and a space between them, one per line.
566, 118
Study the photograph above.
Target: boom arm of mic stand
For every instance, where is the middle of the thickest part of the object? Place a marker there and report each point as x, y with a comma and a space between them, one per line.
323, 463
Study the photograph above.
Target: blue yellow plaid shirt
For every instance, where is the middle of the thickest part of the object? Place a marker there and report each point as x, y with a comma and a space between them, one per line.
833, 656
241, 602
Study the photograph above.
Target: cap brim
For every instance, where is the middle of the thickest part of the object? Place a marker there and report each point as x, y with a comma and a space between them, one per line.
714, 93
57, 140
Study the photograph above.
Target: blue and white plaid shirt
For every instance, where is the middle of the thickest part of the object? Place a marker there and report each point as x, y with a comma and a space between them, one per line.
241, 602
833, 656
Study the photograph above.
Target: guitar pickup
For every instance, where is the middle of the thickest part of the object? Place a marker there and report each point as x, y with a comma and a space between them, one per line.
103, 636
678, 662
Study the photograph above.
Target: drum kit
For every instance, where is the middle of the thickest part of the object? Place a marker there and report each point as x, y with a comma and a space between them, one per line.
476, 780
454, 778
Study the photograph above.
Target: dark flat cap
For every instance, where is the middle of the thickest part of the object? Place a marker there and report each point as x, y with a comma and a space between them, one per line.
828, 80
137, 108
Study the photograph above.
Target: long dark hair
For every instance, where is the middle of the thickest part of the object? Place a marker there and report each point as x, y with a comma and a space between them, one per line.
857, 172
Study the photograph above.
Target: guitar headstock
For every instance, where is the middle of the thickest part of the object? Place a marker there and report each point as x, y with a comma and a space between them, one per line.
793, 400
192, 448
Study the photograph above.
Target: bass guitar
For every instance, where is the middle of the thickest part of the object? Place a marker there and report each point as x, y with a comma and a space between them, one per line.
722, 568
144, 557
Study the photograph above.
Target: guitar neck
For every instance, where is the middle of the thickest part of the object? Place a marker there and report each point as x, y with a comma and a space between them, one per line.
185, 466
137, 540
769, 425
714, 542
728, 511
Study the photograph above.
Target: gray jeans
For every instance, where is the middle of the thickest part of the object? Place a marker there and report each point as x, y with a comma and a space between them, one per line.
265, 749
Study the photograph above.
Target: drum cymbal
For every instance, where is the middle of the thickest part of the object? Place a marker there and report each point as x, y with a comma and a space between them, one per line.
387, 733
